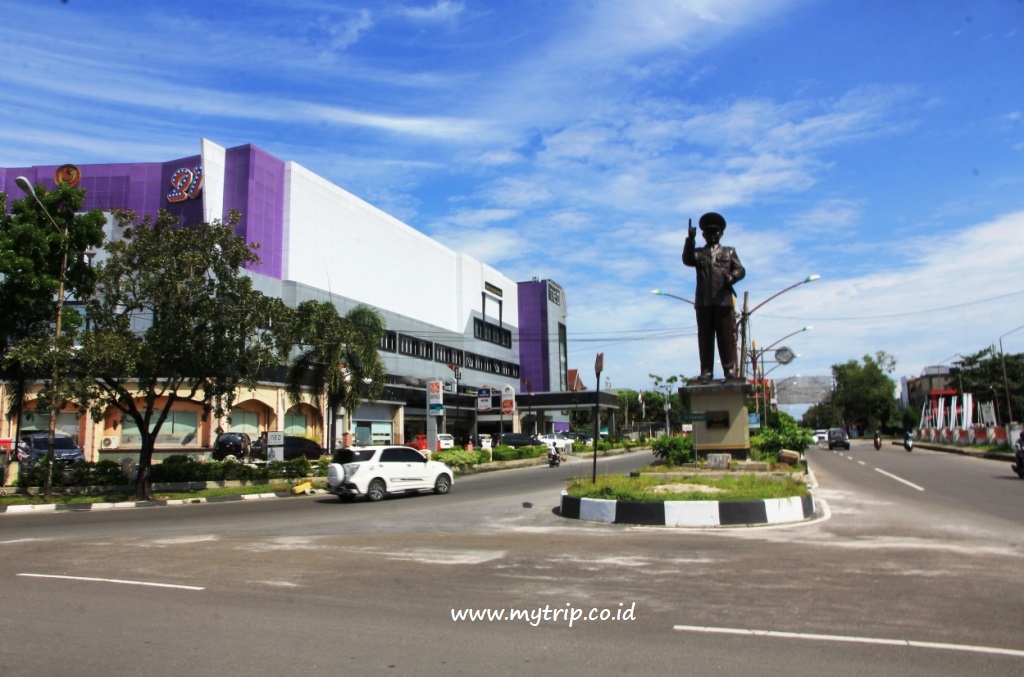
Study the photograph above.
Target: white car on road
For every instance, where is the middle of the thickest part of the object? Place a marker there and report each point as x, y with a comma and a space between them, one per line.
377, 471
563, 443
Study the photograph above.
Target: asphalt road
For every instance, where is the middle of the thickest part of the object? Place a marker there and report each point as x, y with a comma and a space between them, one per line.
912, 571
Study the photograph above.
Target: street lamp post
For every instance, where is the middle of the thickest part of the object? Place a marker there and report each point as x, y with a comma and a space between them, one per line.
1006, 381
745, 316
29, 189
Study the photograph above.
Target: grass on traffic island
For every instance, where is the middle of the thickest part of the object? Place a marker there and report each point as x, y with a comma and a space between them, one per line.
654, 483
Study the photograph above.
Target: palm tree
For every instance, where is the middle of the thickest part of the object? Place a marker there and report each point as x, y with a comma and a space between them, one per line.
338, 362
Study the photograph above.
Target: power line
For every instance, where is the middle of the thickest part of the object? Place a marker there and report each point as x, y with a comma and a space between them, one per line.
818, 318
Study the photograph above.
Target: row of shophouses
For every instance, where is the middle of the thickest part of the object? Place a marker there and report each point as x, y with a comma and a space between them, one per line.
449, 317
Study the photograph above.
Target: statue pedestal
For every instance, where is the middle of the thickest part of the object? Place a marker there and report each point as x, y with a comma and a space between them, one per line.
721, 424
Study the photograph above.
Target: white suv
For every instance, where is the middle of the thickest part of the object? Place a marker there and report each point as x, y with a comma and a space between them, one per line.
561, 442
376, 471
445, 441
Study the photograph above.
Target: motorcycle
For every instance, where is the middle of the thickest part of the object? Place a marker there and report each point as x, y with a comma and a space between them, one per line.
554, 458
908, 442
1018, 455
878, 441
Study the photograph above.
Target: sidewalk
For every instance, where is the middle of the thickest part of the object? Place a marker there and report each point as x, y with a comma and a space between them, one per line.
963, 451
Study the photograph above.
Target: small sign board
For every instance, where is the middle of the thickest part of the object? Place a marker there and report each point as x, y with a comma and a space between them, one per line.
275, 446
695, 416
483, 399
508, 400
435, 398
754, 420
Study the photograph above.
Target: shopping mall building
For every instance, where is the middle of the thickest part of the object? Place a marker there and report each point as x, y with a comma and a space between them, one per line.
449, 317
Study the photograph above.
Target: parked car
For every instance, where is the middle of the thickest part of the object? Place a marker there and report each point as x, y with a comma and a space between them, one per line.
33, 448
233, 447
376, 471
517, 440
837, 437
445, 441
582, 439
563, 443
419, 442
294, 447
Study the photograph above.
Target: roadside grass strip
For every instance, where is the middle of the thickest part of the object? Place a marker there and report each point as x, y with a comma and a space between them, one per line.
777, 634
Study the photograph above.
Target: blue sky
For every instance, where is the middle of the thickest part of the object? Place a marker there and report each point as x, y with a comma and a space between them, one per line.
878, 144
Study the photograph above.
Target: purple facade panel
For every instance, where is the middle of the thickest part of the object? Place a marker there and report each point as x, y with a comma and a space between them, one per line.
254, 185
533, 335
139, 187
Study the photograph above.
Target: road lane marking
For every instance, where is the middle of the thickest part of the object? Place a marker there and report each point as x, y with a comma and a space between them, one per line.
115, 580
845, 638
900, 479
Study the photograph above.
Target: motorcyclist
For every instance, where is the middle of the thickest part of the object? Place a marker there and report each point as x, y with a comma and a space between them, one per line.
1018, 456
878, 439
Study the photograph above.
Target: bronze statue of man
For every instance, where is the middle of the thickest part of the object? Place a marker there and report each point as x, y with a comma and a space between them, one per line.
718, 269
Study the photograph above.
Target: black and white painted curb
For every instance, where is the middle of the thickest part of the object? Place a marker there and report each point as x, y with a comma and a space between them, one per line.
75, 507
689, 513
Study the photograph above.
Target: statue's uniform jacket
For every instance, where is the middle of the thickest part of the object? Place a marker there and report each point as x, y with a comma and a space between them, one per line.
718, 269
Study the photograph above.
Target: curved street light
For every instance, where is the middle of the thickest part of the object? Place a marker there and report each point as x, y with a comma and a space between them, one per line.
27, 187
745, 316
660, 292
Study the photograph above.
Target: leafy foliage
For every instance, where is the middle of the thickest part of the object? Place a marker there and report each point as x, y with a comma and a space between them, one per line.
175, 319
506, 453
981, 374
338, 363
766, 445
673, 449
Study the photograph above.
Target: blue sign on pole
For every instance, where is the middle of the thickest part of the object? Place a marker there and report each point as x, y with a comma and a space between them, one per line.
754, 420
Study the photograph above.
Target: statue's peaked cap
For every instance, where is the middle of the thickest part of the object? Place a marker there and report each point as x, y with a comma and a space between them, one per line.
712, 220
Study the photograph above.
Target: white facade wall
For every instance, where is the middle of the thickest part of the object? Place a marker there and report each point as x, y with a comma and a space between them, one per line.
337, 242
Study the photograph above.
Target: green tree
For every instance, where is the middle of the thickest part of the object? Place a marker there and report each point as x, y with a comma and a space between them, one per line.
338, 361
43, 256
175, 319
981, 374
863, 391
823, 415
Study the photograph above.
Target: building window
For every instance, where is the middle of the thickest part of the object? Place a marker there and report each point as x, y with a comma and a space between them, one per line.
389, 341
491, 333
448, 355
407, 345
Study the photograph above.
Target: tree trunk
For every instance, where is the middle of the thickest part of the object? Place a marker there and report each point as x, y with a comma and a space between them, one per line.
144, 478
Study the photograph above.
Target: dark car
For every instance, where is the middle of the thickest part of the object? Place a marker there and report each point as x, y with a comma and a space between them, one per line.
837, 437
33, 448
294, 447
233, 446
581, 438
518, 440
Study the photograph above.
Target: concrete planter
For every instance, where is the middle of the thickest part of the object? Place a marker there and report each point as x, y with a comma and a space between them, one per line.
689, 513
